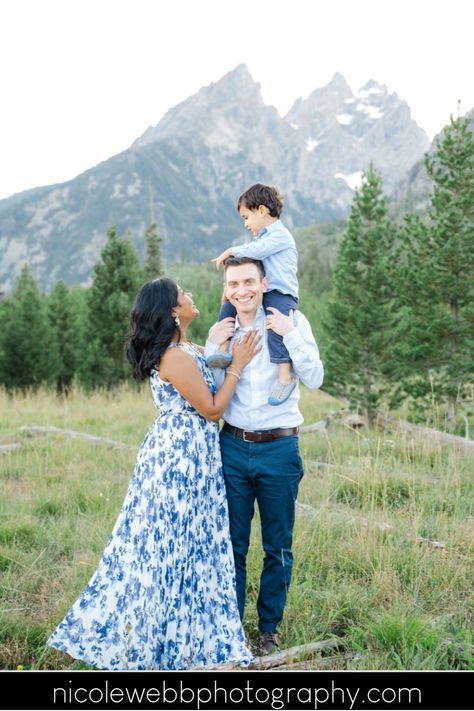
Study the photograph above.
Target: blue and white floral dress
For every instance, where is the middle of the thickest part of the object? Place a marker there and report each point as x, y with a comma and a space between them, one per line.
163, 594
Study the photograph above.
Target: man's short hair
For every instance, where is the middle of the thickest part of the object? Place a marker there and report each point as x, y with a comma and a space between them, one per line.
260, 194
238, 261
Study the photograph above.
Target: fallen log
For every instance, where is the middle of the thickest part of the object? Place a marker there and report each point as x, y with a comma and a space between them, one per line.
294, 653
337, 661
306, 508
429, 542
422, 432
317, 463
286, 656
76, 435
321, 425
315, 427
4, 448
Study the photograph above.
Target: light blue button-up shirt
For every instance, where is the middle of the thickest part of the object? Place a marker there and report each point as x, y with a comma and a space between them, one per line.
248, 408
276, 248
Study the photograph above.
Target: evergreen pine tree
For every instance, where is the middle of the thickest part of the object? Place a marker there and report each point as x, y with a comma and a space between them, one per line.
65, 333
28, 351
152, 267
356, 323
117, 278
435, 350
78, 300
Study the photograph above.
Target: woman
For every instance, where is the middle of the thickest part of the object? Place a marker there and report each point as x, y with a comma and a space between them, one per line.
162, 596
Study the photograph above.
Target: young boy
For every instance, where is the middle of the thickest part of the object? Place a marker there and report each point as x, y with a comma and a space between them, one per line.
260, 207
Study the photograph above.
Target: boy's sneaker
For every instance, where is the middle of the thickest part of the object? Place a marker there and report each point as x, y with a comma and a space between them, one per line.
281, 392
268, 643
219, 360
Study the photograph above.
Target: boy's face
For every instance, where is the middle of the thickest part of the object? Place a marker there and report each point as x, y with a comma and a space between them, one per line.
254, 220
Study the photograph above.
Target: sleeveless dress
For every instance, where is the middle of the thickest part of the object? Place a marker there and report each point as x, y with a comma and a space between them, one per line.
163, 595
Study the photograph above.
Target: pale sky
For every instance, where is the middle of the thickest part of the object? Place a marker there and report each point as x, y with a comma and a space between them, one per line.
80, 80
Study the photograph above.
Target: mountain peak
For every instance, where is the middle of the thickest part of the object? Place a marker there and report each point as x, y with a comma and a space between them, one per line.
237, 80
237, 86
334, 91
328, 98
239, 73
372, 87
339, 83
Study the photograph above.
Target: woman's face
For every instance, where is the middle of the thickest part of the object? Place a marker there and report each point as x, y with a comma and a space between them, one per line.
185, 308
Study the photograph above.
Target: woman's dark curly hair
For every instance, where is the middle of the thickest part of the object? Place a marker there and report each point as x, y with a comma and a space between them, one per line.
151, 325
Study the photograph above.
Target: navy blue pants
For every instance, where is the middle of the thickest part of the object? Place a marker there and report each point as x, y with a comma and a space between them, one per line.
268, 472
282, 302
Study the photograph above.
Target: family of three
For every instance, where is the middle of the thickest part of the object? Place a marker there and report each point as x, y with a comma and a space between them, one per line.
169, 591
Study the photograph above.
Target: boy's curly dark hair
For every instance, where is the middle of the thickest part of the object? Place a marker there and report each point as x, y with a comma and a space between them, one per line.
151, 325
260, 194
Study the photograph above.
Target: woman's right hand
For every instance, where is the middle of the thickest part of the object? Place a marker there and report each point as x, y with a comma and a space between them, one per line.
244, 349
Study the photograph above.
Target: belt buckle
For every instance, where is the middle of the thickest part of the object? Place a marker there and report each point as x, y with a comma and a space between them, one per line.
244, 432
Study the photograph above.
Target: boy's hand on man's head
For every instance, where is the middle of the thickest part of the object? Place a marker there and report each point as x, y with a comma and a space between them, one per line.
280, 323
221, 258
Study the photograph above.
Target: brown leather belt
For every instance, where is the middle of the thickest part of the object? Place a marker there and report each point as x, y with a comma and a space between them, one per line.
263, 436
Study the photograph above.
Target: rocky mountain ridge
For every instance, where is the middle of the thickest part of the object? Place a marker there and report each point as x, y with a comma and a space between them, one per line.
186, 172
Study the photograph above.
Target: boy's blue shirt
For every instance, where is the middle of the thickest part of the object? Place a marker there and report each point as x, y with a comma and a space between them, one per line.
276, 248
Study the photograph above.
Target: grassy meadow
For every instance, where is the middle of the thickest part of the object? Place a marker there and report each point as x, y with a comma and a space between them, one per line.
383, 540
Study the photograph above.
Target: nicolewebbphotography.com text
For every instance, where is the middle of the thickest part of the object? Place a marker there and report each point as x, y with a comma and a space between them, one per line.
210, 696
226, 690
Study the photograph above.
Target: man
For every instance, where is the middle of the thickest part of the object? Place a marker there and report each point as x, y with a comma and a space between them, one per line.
259, 443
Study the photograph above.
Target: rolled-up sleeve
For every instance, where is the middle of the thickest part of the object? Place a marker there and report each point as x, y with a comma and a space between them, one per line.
304, 353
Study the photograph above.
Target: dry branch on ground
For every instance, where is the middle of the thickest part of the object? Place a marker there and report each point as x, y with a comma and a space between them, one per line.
76, 435
4, 448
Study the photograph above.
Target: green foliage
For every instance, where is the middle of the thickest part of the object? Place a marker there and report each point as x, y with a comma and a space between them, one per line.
434, 354
152, 267
65, 334
403, 636
117, 279
317, 249
359, 314
28, 351
360, 570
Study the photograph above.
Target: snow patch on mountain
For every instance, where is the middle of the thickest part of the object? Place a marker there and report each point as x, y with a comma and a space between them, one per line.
311, 144
373, 112
344, 119
352, 180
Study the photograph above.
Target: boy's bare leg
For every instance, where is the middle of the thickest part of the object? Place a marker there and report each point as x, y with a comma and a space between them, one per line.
284, 373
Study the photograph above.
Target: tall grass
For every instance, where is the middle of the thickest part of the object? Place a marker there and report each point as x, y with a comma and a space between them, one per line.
382, 544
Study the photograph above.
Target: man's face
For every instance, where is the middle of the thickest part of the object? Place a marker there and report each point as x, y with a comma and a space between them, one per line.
244, 287
254, 220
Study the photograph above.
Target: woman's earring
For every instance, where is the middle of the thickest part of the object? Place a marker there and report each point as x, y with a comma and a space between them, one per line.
176, 321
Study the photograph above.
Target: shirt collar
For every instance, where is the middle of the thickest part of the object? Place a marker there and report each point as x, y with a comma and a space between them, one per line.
258, 316
269, 228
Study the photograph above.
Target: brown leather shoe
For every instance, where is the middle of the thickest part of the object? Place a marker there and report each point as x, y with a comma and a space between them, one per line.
268, 643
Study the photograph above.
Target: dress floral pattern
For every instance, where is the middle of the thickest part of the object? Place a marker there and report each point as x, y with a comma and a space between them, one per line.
163, 594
